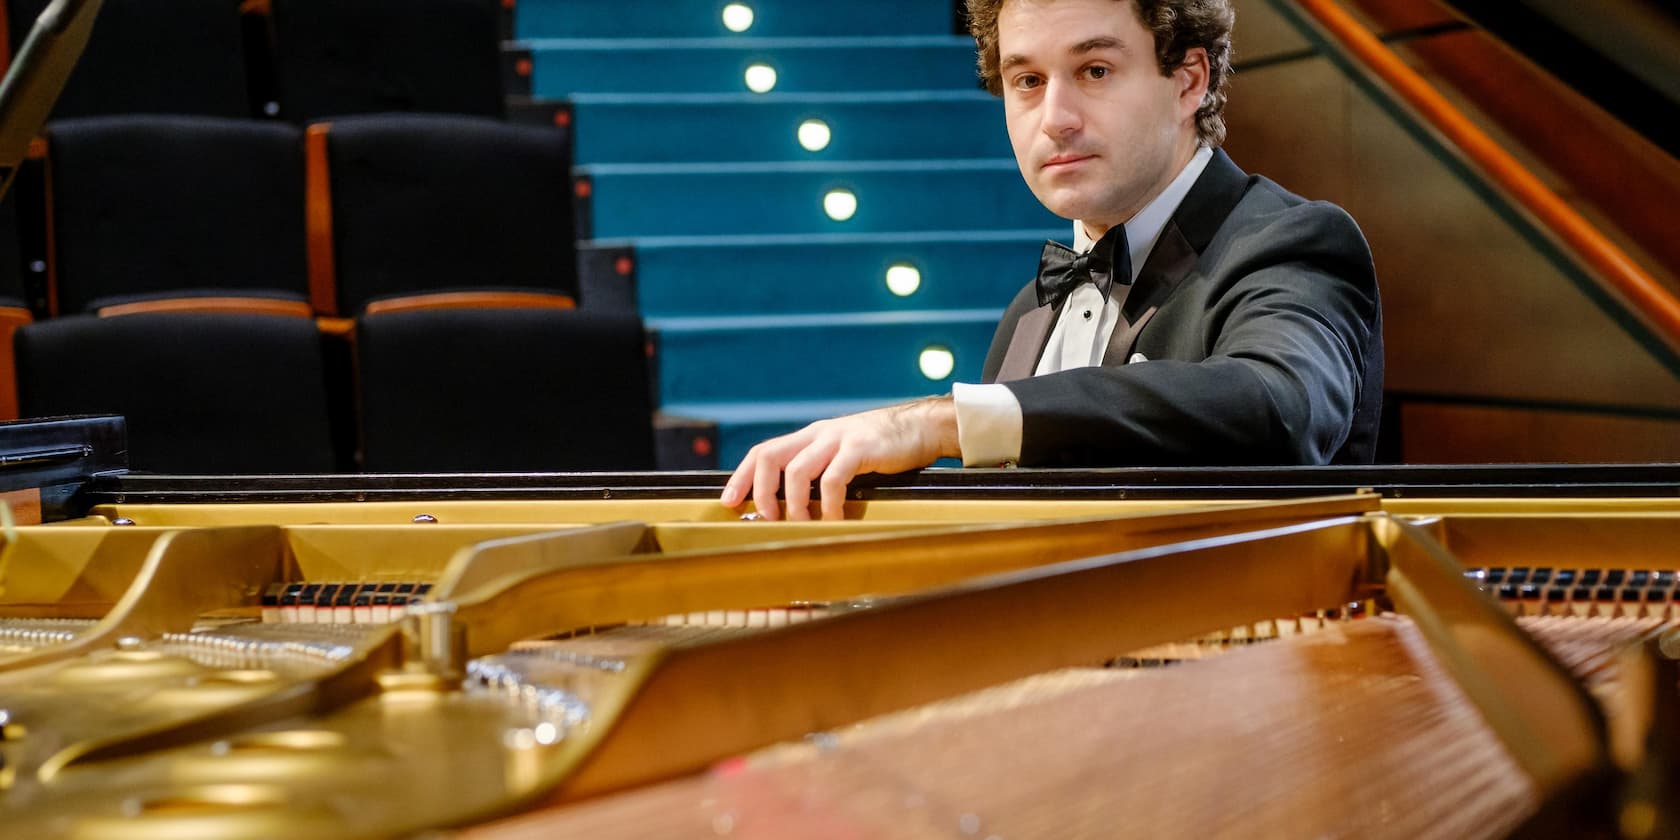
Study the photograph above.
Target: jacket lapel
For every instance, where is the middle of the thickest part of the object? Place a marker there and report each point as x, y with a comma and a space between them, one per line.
1174, 256
1180, 245
1027, 344
1169, 263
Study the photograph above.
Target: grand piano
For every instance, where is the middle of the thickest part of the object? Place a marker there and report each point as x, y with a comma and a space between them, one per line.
1403, 651
1384, 651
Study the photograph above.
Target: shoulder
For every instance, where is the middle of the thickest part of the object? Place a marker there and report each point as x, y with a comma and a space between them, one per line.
1272, 224
1272, 215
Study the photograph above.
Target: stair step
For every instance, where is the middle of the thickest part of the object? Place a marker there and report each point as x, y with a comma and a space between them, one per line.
726, 275
813, 357
667, 19
676, 128
769, 313
788, 198
563, 67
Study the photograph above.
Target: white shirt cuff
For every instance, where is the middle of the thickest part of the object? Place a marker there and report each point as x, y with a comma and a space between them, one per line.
988, 424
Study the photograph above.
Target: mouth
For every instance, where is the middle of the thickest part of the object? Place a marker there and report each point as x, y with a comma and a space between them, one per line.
1063, 161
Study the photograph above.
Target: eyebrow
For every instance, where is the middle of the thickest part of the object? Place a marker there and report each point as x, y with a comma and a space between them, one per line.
1101, 42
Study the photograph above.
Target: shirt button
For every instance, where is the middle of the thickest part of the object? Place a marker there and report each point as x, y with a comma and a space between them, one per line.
1087, 314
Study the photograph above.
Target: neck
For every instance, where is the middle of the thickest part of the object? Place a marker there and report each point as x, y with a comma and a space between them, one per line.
1095, 228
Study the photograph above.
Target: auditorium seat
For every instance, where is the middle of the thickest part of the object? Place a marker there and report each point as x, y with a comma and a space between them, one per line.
607, 277
153, 56
203, 393
406, 205
503, 390
156, 207
335, 57
14, 306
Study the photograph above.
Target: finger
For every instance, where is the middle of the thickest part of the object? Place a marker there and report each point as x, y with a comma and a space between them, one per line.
841, 469
799, 474
796, 487
735, 490
767, 477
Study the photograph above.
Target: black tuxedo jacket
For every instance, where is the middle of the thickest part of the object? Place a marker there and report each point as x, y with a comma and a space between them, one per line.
1253, 335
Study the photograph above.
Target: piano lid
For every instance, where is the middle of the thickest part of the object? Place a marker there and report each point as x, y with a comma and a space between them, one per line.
37, 75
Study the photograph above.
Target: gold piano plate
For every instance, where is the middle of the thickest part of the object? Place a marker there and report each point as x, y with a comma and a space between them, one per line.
462, 711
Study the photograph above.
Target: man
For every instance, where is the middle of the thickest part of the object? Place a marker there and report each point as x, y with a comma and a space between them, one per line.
1204, 316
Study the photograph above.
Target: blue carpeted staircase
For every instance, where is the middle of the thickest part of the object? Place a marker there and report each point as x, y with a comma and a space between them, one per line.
771, 311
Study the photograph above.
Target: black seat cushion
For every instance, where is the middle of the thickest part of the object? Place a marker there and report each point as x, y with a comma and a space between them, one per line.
425, 203
147, 204
153, 56
504, 390
337, 57
12, 290
203, 393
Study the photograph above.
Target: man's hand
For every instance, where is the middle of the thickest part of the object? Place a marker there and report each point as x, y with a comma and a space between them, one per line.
886, 440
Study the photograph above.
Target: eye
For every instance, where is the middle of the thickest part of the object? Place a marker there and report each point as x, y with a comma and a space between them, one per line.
1096, 72
1026, 81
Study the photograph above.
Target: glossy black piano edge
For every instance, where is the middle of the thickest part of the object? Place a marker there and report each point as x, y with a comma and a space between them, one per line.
1408, 481
48, 451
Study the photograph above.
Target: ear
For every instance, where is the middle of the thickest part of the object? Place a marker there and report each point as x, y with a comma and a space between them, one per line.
1192, 79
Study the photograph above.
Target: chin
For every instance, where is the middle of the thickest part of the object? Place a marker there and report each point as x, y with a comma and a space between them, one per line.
1068, 207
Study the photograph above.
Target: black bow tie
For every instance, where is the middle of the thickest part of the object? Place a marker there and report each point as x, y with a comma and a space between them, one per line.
1061, 270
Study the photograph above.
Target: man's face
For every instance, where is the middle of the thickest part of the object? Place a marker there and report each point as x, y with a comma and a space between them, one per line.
1097, 130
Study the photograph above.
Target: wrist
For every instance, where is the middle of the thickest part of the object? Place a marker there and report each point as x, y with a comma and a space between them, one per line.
939, 419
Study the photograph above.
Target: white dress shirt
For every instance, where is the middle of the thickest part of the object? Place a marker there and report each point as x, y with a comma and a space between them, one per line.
989, 416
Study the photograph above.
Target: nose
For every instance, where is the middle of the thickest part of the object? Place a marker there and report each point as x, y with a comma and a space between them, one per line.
1062, 115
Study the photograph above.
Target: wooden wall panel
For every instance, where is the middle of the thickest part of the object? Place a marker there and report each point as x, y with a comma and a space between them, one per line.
1467, 434
1475, 309
1625, 183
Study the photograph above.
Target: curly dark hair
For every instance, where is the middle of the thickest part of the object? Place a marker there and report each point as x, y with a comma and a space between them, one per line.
1178, 25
